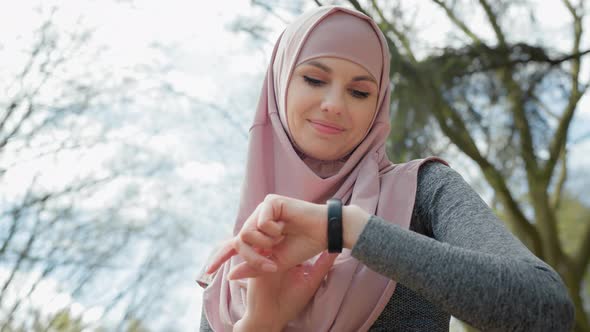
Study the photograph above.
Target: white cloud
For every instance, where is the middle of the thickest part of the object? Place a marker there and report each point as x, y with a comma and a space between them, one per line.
205, 172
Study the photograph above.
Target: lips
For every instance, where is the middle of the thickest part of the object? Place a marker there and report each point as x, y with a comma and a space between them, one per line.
327, 124
326, 127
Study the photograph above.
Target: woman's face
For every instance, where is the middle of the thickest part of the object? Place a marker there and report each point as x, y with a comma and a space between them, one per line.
330, 105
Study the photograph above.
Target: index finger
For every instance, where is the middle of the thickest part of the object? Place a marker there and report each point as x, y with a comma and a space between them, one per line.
224, 254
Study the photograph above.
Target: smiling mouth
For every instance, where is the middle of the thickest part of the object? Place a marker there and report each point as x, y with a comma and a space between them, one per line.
325, 128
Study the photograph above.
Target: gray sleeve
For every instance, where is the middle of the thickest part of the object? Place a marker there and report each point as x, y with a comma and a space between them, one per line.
204, 323
472, 267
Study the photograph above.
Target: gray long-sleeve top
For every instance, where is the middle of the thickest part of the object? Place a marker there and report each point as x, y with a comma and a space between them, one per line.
459, 259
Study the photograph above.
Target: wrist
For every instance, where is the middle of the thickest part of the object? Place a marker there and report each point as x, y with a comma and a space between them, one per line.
354, 220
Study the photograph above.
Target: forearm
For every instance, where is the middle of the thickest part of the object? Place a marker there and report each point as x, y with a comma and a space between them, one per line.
469, 264
488, 291
354, 220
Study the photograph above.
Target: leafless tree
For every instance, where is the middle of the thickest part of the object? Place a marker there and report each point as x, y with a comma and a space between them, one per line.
93, 230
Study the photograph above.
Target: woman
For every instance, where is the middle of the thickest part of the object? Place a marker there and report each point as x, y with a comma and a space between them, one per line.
419, 243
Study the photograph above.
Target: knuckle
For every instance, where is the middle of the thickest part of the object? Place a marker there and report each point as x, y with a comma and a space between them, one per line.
271, 197
268, 243
263, 223
260, 262
234, 243
243, 236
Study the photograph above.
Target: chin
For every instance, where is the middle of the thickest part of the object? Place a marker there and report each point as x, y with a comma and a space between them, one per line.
327, 155
320, 148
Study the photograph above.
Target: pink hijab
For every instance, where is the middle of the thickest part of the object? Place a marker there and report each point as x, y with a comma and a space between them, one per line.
353, 296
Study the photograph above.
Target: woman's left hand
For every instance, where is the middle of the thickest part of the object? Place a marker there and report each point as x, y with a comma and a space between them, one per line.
273, 299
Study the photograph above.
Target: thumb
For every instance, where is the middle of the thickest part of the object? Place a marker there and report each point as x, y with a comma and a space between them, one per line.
243, 271
321, 267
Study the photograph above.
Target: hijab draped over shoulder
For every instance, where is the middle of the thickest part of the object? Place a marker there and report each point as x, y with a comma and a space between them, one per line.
352, 296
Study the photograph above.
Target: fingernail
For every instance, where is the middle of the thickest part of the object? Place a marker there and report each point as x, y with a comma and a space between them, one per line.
268, 267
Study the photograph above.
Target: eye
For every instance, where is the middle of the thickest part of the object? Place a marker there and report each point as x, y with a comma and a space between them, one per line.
312, 81
359, 94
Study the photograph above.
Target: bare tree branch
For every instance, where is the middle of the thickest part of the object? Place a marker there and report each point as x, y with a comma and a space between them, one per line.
18, 126
400, 36
16, 213
570, 8
459, 135
533, 57
556, 201
46, 271
517, 109
358, 7
458, 22
582, 258
9, 111
16, 267
493, 19
560, 136
269, 10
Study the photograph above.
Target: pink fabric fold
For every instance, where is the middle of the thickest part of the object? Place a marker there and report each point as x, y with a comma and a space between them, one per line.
353, 295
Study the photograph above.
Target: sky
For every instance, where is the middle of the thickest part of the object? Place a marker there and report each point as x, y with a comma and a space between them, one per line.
205, 61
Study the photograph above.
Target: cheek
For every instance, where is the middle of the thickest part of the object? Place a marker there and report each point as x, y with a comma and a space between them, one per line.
362, 120
294, 111
299, 101
362, 125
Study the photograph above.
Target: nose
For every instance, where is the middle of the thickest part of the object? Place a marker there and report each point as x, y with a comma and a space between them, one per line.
333, 101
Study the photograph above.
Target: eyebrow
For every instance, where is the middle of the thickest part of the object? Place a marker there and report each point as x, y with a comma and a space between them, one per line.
329, 71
